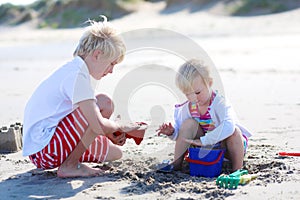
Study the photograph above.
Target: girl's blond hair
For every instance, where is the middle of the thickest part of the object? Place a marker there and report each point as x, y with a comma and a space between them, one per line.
101, 36
189, 71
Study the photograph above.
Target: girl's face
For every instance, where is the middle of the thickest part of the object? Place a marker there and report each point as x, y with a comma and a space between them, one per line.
200, 92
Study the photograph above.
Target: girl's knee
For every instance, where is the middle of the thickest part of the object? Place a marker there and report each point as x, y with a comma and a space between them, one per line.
189, 127
236, 135
188, 124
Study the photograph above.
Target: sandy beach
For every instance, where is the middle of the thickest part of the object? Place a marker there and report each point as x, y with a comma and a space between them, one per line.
257, 68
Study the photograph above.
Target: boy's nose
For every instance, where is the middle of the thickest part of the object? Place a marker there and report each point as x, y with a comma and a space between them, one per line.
111, 70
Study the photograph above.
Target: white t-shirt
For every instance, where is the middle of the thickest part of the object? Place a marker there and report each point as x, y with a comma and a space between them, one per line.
53, 99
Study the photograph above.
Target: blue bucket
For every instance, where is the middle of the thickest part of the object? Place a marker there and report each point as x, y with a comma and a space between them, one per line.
205, 162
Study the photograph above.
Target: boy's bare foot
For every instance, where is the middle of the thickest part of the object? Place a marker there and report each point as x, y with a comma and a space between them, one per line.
79, 170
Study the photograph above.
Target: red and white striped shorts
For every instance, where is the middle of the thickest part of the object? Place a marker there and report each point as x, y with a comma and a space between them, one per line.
67, 135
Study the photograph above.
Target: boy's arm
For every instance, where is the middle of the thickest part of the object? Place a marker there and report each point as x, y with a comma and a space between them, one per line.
98, 124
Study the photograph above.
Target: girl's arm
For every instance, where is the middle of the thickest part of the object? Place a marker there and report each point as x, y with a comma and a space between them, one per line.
165, 129
221, 132
181, 113
224, 118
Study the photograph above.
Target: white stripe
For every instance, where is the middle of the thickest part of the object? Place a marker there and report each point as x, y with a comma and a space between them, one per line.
83, 118
61, 148
66, 152
102, 148
34, 160
43, 159
78, 123
95, 150
89, 155
107, 149
55, 148
72, 125
81, 158
48, 164
71, 149
49, 149
70, 134
49, 157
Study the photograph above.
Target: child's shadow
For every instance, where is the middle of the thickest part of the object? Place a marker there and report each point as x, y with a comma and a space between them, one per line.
45, 185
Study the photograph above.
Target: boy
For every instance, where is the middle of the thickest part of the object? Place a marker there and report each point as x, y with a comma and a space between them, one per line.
63, 125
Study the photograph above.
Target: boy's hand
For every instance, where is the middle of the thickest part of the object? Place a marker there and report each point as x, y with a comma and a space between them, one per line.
129, 127
196, 142
117, 139
126, 126
165, 129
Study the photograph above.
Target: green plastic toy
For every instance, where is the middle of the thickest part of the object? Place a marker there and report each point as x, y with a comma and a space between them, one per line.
231, 181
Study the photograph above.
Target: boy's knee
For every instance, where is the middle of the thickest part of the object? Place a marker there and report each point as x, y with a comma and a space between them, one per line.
115, 153
105, 104
118, 154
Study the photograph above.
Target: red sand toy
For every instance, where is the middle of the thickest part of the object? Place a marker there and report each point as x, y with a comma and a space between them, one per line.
136, 135
288, 154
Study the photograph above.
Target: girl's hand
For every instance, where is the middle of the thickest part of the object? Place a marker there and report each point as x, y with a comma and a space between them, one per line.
165, 129
196, 142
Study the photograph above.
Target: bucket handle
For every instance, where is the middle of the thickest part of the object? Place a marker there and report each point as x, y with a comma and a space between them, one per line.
203, 162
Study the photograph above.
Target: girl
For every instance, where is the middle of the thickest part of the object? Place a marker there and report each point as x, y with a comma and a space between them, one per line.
206, 118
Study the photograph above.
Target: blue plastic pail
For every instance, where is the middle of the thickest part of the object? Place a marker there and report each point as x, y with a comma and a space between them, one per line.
205, 162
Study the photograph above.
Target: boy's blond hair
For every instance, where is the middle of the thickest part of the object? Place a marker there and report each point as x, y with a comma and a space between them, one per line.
101, 36
189, 71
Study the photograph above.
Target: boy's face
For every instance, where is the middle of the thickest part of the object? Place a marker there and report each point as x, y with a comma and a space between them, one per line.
200, 92
103, 66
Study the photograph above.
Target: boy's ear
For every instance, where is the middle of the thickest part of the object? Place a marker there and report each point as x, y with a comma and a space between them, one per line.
97, 53
210, 83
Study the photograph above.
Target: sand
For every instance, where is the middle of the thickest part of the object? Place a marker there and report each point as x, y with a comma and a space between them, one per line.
256, 58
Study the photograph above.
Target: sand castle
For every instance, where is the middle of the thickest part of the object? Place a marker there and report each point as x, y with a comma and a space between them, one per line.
11, 138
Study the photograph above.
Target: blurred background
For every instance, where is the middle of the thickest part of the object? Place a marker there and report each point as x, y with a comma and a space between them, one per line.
71, 13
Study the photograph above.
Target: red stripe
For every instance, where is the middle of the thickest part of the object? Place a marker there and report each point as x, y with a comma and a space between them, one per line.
66, 137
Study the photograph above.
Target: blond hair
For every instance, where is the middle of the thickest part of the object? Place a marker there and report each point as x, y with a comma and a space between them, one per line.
101, 36
188, 72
